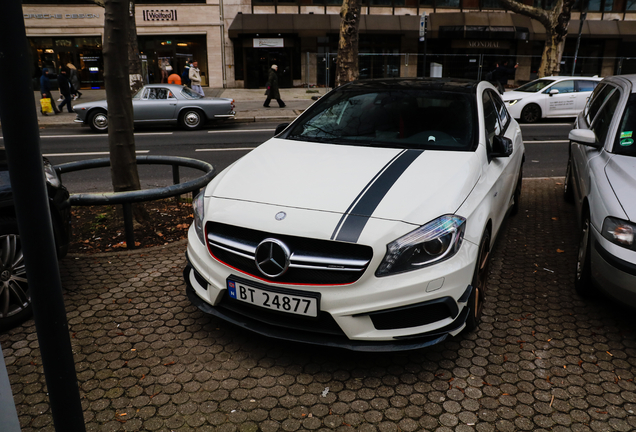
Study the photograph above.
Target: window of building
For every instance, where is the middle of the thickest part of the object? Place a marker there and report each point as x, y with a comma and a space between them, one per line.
161, 51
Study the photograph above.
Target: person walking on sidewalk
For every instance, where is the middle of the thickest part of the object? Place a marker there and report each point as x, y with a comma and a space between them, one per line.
272, 91
75, 81
185, 75
65, 90
45, 89
195, 78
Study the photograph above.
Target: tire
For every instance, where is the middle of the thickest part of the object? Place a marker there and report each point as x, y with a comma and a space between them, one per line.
15, 296
531, 113
583, 274
477, 297
191, 119
568, 193
98, 121
517, 195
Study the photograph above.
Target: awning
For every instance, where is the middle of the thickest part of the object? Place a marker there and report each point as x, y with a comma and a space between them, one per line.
312, 25
484, 25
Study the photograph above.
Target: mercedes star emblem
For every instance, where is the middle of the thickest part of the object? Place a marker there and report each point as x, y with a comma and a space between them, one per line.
272, 257
280, 216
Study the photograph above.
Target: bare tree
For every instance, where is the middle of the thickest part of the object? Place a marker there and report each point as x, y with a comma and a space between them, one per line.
347, 63
556, 23
134, 66
121, 140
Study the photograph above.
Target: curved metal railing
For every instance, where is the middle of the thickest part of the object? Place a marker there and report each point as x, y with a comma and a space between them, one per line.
126, 199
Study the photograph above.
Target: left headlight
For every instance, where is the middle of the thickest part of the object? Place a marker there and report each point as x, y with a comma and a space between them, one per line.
436, 241
198, 211
51, 176
512, 102
619, 232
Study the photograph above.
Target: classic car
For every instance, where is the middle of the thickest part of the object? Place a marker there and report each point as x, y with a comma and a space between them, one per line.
161, 103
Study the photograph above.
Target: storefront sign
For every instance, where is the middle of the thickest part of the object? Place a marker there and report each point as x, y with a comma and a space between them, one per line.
160, 15
269, 43
60, 16
480, 44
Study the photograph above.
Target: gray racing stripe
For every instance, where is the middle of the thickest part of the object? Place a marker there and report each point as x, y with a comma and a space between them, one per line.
354, 220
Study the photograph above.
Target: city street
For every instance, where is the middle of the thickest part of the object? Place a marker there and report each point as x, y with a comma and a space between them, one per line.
542, 359
223, 143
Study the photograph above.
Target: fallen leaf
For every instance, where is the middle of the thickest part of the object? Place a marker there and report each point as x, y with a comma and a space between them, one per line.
555, 218
168, 364
560, 251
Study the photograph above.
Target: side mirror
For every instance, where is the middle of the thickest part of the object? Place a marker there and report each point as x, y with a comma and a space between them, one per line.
281, 127
501, 147
553, 92
583, 136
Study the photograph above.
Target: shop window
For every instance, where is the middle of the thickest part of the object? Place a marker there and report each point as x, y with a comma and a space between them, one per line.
631, 5
594, 5
491, 4
450, 4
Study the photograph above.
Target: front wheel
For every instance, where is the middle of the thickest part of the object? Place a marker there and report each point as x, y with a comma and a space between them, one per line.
531, 113
15, 297
477, 297
583, 278
191, 119
98, 121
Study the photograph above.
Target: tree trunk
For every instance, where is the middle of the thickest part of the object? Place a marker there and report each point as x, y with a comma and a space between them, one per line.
552, 53
347, 64
121, 140
134, 72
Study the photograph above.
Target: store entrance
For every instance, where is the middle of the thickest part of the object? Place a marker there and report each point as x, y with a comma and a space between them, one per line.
258, 62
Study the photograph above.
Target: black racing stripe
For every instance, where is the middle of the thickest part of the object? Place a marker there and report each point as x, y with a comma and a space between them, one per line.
364, 190
358, 217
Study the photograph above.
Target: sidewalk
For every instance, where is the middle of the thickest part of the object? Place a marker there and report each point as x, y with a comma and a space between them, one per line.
249, 105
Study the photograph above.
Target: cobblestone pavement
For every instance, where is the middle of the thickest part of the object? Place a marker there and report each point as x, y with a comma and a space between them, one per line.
542, 359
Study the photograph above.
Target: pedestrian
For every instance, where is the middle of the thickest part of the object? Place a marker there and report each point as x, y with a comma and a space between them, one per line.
502, 74
65, 90
75, 81
166, 69
185, 75
45, 90
272, 91
195, 78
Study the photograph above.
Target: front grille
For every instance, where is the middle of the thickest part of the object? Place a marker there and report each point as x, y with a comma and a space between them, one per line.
313, 261
415, 315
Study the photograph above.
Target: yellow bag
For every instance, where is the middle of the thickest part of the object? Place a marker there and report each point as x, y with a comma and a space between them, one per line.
45, 103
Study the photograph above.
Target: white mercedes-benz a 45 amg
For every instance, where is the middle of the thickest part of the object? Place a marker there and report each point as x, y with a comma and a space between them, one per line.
366, 223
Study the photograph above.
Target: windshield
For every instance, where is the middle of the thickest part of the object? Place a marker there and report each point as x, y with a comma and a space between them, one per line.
535, 86
624, 143
401, 118
189, 94
138, 94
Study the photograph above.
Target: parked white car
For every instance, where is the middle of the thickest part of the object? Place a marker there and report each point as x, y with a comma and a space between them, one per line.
601, 180
550, 97
367, 223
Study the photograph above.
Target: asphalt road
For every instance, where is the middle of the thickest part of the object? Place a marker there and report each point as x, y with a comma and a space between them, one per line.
546, 150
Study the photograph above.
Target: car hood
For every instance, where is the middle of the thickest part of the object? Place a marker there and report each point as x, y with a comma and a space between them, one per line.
621, 173
404, 185
511, 95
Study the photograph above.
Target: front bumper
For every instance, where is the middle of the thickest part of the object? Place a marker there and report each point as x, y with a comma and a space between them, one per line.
615, 275
78, 119
399, 312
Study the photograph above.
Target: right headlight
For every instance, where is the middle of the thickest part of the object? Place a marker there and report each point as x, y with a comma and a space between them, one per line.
619, 232
198, 211
436, 241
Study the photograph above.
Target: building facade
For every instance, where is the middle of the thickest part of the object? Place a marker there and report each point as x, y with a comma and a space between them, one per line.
236, 41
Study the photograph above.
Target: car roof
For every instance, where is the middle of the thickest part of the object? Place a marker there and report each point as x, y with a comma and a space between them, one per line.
444, 84
626, 79
173, 87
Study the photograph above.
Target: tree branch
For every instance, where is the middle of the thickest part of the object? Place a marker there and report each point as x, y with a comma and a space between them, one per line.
538, 14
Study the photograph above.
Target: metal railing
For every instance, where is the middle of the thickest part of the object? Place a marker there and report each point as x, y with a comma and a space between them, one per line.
126, 199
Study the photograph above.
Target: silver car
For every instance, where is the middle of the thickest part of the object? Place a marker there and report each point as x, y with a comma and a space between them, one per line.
161, 103
601, 180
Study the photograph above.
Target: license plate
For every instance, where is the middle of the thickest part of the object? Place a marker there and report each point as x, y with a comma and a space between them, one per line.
288, 303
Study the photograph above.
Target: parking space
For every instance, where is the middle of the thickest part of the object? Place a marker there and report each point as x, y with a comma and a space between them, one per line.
542, 359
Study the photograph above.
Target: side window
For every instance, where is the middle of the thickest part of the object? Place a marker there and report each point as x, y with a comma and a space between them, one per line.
491, 120
146, 93
586, 86
566, 86
502, 112
596, 101
602, 122
162, 93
